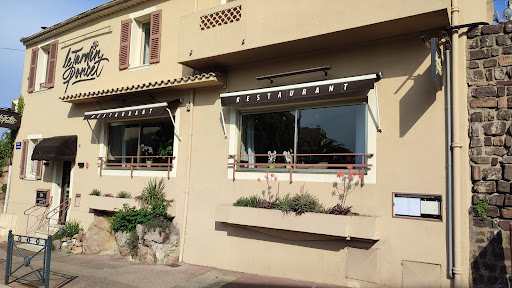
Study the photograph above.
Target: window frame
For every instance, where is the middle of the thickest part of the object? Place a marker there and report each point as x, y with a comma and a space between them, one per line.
136, 57
31, 165
235, 125
43, 61
149, 172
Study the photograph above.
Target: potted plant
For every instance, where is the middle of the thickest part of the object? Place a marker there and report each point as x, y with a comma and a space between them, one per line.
147, 150
272, 158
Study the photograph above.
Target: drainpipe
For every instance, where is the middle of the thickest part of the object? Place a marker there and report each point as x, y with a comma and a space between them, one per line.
189, 165
456, 149
449, 168
8, 188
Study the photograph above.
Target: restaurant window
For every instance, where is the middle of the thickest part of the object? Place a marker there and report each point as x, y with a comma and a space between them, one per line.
316, 132
140, 142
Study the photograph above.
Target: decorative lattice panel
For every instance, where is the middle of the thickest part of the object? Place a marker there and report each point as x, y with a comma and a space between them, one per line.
222, 17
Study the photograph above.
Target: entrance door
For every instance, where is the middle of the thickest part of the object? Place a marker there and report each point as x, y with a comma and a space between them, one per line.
64, 192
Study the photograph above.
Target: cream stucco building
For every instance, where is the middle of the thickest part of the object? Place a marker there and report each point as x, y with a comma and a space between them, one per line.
198, 87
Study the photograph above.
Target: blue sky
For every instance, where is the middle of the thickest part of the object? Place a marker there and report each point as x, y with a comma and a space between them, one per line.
24, 18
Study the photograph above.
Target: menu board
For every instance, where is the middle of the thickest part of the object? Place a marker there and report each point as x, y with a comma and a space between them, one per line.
42, 197
417, 206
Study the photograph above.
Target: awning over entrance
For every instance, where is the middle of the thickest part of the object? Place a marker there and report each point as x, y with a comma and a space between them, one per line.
141, 111
62, 148
311, 91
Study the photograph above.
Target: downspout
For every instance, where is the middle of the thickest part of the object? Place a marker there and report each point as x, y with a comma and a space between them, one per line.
456, 149
8, 188
449, 168
189, 166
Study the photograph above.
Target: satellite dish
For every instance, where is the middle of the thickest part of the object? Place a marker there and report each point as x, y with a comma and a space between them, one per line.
496, 17
507, 13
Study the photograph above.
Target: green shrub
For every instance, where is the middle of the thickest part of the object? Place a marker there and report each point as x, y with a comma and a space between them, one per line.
71, 228
127, 218
254, 201
481, 208
124, 194
242, 202
95, 192
305, 202
153, 192
284, 204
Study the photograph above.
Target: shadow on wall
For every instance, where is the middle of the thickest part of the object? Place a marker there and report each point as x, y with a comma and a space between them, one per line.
416, 101
290, 238
488, 268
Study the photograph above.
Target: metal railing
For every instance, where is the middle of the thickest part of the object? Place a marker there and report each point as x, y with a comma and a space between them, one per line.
61, 211
40, 217
105, 162
292, 166
44, 219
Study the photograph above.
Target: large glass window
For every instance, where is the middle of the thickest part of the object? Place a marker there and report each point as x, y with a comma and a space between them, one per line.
314, 131
151, 140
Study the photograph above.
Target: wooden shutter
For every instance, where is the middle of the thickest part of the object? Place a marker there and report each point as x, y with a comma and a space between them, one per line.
39, 165
23, 161
124, 49
33, 70
155, 37
52, 63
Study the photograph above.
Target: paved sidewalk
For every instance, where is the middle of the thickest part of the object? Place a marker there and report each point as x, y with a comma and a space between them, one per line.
77, 271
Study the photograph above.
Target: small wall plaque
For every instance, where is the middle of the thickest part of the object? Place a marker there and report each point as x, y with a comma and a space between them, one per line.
42, 197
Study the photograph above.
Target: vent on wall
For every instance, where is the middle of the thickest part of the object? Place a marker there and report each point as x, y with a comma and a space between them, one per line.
220, 18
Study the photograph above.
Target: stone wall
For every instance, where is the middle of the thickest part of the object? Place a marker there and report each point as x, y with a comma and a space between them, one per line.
489, 77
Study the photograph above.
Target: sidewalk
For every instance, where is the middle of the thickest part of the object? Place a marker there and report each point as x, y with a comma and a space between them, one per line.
70, 271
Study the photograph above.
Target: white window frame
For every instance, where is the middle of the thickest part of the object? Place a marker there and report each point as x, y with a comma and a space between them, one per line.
31, 165
137, 38
233, 126
103, 150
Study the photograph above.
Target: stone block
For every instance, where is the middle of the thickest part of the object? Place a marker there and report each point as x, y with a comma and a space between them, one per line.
492, 29
494, 161
473, 44
472, 33
492, 62
504, 60
474, 129
488, 75
475, 151
501, 40
478, 54
476, 142
492, 211
485, 41
485, 187
499, 73
482, 160
498, 141
503, 114
484, 103
489, 115
475, 64
502, 91
478, 116
504, 225
497, 200
491, 173
487, 223
507, 28
495, 51
508, 141
488, 141
507, 172
506, 50
498, 151
503, 187
476, 75
476, 173
506, 213
508, 200
502, 102
486, 91
494, 128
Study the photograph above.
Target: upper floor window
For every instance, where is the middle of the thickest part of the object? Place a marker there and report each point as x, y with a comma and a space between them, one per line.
43, 61
140, 39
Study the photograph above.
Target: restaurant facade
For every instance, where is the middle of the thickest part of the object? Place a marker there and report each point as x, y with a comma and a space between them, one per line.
215, 98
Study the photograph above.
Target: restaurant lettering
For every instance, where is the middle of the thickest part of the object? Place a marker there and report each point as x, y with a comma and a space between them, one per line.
83, 66
9, 119
302, 93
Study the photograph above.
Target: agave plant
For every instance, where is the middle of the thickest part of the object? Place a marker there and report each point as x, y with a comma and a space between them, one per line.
305, 202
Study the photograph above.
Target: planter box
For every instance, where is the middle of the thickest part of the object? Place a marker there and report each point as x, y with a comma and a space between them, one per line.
109, 203
361, 227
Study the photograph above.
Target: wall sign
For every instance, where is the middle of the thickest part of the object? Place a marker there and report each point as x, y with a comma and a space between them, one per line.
42, 197
83, 66
417, 206
18, 145
9, 119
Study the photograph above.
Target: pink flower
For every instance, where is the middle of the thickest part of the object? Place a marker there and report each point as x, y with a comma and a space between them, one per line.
271, 175
349, 167
259, 180
350, 176
340, 174
157, 215
162, 219
266, 172
275, 178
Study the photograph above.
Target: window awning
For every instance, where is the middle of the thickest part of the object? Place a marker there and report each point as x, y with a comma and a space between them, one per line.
311, 91
62, 148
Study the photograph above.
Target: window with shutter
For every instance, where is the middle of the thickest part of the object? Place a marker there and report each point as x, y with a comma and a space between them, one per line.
52, 63
124, 49
39, 166
155, 38
33, 70
23, 161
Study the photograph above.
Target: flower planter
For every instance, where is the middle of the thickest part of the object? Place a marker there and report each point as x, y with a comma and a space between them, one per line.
109, 203
362, 227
